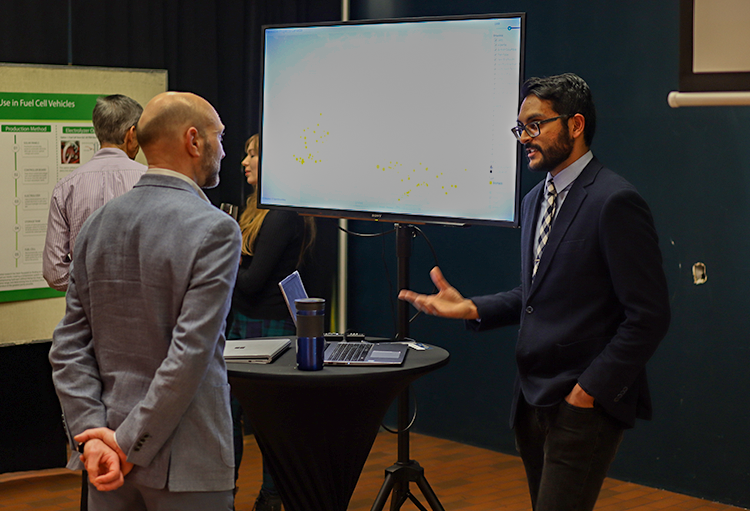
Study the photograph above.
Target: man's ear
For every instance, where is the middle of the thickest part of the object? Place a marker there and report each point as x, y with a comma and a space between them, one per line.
579, 123
194, 142
131, 143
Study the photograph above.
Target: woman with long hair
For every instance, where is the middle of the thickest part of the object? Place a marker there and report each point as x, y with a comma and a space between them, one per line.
274, 244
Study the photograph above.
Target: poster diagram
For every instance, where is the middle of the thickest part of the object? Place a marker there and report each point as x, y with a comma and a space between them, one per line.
43, 137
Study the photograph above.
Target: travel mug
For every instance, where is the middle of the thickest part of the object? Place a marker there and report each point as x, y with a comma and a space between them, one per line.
310, 340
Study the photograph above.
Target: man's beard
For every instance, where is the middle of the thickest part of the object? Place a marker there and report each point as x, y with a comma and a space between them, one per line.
211, 167
553, 155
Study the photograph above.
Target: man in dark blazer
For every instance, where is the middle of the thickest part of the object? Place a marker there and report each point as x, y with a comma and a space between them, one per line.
592, 304
138, 358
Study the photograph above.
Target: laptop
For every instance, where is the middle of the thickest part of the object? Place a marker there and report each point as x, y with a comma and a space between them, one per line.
344, 352
364, 353
257, 351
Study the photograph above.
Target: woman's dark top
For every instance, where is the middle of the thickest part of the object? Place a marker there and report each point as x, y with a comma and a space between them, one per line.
277, 249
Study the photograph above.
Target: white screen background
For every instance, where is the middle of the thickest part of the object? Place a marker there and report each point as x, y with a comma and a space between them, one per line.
410, 118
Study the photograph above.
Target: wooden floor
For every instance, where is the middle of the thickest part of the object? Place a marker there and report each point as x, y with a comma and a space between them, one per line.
463, 477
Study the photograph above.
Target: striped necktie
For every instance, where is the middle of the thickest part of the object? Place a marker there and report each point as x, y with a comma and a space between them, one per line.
546, 226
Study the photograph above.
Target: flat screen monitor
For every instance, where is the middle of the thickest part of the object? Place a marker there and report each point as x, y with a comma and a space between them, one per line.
402, 120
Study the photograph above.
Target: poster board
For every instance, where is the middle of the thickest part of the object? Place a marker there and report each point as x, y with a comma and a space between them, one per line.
45, 133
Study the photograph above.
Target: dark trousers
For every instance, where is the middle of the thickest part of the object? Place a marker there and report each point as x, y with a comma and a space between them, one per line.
566, 451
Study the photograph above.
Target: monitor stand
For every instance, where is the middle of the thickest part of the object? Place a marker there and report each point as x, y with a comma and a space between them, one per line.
405, 470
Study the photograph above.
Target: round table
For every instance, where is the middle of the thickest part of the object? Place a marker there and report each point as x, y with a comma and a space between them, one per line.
316, 428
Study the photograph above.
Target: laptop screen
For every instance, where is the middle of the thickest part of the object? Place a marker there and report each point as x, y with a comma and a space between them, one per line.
292, 289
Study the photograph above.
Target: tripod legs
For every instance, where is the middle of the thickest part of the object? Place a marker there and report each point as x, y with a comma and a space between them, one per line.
398, 476
397, 479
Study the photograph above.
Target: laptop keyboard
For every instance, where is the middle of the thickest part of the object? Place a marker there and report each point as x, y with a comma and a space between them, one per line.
350, 352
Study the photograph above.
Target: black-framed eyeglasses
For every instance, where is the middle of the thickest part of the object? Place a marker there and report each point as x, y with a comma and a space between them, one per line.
533, 129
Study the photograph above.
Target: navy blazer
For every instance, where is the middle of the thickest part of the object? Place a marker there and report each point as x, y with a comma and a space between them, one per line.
598, 306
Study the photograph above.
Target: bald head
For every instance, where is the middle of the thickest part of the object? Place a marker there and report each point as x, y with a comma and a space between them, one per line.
178, 131
169, 114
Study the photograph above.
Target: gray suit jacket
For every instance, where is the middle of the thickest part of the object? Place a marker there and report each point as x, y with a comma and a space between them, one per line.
140, 347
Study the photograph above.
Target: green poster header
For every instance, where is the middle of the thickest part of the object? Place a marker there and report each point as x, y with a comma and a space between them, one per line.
29, 294
78, 130
38, 106
9, 128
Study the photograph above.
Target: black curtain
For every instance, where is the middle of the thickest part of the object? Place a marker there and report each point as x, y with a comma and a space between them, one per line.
29, 411
34, 32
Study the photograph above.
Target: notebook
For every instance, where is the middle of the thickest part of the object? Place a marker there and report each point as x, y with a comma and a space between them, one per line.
257, 351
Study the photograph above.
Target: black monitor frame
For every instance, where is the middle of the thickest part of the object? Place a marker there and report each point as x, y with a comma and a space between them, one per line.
402, 218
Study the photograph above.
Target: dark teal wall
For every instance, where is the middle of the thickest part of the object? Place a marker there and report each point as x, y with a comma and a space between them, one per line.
692, 165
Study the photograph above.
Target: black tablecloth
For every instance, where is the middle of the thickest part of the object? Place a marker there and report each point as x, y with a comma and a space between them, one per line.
315, 429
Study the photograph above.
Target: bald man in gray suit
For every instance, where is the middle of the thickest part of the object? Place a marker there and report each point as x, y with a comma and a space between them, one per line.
138, 358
